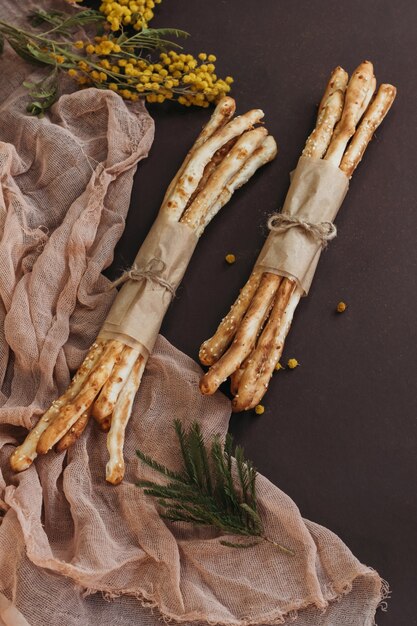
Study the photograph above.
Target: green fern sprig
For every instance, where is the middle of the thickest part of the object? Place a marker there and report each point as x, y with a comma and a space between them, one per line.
208, 491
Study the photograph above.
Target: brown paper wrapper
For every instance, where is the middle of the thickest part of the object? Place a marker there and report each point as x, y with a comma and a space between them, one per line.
315, 195
139, 308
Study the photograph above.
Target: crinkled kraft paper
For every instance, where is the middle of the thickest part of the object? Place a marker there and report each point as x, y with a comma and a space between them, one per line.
315, 195
139, 308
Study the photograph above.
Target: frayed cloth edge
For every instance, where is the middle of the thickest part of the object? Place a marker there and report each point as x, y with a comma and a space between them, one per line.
273, 618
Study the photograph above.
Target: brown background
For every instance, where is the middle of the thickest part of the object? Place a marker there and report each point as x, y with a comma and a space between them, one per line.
339, 433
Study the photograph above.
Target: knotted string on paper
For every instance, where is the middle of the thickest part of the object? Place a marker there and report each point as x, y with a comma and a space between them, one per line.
151, 271
323, 232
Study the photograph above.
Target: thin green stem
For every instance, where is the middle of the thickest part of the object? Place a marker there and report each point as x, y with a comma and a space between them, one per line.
278, 545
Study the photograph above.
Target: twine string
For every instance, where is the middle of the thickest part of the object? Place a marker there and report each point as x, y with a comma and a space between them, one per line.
322, 232
151, 271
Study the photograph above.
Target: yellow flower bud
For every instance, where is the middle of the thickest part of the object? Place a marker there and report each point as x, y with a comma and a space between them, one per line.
292, 364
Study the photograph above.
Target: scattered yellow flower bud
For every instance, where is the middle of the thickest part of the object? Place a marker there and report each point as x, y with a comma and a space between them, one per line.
259, 409
292, 363
341, 307
79, 44
230, 258
278, 367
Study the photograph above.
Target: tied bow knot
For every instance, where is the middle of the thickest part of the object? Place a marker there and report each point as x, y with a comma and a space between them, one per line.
322, 232
151, 271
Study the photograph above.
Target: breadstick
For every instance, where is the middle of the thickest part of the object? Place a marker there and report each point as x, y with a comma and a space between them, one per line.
260, 366
209, 169
357, 91
115, 467
319, 140
338, 82
223, 112
212, 349
262, 155
368, 97
275, 355
24, 454
74, 432
104, 405
245, 337
236, 377
232, 163
190, 177
371, 120
70, 413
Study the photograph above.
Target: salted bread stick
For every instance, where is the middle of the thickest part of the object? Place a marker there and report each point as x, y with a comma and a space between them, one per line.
319, 140
360, 84
212, 349
262, 155
223, 112
115, 467
372, 119
104, 405
191, 176
258, 371
338, 82
25, 454
245, 337
232, 163
368, 97
70, 413
74, 432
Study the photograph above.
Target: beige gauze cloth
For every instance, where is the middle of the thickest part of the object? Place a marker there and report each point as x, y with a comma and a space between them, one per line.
73, 549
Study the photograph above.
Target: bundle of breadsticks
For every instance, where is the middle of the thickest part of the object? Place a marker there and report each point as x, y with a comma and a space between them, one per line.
249, 341
226, 154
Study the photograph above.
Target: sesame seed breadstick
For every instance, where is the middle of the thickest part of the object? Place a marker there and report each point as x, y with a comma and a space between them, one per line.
245, 337
210, 167
223, 112
70, 413
191, 176
319, 140
115, 467
231, 164
368, 97
104, 405
357, 91
74, 432
262, 155
338, 82
24, 454
235, 378
372, 119
212, 349
259, 369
